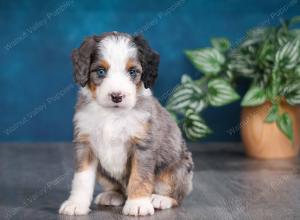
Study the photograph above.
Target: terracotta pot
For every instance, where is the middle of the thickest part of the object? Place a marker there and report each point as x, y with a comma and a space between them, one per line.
264, 140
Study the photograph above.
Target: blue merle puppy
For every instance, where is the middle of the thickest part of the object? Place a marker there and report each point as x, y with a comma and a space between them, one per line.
123, 137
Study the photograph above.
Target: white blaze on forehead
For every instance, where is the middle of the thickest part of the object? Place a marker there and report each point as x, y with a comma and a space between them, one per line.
116, 50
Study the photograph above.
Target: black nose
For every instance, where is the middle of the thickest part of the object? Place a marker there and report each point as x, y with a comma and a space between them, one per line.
116, 97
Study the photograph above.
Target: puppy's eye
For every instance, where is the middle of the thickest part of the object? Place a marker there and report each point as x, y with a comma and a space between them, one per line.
132, 72
101, 72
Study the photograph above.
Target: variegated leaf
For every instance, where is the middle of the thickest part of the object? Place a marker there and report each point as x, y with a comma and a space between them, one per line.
184, 95
292, 93
272, 114
287, 56
198, 105
285, 124
254, 96
208, 60
220, 92
194, 126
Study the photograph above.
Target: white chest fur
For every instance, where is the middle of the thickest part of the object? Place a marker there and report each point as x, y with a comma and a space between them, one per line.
109, 132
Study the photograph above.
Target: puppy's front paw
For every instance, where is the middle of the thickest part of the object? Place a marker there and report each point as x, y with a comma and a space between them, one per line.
110, 198
70, 207
136, 207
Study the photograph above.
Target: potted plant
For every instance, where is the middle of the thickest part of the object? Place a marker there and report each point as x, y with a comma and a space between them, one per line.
270, 119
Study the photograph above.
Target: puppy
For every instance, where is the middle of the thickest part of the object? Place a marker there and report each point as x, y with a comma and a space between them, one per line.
123, 137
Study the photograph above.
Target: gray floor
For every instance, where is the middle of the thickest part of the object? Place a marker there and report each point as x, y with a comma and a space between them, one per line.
36, 178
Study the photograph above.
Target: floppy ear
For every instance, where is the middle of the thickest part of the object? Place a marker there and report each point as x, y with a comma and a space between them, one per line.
149, 60
81, 58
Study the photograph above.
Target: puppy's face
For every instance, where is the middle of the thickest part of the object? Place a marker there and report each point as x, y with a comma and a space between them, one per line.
115, 67
115, 74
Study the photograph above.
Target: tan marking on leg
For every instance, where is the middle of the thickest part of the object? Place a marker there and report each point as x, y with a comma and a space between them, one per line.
138, 186
85, 160
84, 153
166, 177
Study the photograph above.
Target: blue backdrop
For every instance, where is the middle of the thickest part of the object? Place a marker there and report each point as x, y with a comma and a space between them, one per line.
37, 93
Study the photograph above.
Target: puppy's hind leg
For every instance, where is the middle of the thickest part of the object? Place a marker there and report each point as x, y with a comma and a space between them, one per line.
173, 184
163, 188
110, 198
112, 191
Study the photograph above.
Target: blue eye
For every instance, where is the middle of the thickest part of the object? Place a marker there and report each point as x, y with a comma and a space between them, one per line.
132, 72
101, 72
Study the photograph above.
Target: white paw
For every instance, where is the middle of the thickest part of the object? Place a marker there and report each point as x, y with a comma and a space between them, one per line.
136, 207
161, 202
110, 198
70, 207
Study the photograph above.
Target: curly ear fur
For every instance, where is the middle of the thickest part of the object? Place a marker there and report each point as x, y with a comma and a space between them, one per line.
81, 58
149, 60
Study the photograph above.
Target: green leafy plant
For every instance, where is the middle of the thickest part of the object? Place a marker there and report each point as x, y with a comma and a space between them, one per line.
269, 57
